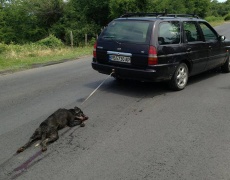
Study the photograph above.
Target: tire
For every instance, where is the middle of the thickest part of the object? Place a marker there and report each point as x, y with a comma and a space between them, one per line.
180, 78
226, 67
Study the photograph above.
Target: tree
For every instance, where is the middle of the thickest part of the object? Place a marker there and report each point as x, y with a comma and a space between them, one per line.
48, 12
82, 17
17, 25
96, 11
30, 20
120, 7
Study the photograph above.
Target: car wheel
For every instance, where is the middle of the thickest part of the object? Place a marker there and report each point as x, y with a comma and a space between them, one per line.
180, 77
226, 67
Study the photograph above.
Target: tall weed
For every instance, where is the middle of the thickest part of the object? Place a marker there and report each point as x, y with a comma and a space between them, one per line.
213, 18
3, 48
227, 17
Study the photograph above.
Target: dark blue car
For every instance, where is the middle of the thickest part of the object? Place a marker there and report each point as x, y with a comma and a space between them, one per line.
160, 47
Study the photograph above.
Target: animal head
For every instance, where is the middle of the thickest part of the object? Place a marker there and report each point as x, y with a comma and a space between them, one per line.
79, 114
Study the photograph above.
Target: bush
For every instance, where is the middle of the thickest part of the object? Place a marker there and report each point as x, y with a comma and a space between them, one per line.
213, 18
51, 41
92, 41
227, 17
3, 48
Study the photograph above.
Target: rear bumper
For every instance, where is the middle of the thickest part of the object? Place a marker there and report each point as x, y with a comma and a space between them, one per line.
152, 73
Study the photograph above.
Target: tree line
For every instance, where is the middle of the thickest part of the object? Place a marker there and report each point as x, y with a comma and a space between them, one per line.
25, 21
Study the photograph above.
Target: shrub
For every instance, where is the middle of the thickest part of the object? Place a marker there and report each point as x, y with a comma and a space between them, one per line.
213, 18
92, 41
3, 48
227, 17
51, 41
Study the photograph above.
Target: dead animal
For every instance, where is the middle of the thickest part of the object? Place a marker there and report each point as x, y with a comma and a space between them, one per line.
47, 132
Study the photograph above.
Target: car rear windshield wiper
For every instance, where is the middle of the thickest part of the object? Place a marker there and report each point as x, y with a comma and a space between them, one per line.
109, 37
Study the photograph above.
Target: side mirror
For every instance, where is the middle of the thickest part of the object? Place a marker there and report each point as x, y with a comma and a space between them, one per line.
222, 38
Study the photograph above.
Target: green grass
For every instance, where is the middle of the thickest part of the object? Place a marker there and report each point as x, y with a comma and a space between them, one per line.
16, 57
217, 23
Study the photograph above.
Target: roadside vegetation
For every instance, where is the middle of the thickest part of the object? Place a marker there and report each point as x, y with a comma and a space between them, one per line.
14, 56
39, 31
218, 20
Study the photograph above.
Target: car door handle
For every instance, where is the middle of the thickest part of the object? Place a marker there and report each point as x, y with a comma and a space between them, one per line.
210, 47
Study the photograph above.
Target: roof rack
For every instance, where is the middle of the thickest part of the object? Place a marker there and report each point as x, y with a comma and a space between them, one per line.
156, 14
141, 14
181, 15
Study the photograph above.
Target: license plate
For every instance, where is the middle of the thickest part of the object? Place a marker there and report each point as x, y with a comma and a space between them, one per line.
123, 59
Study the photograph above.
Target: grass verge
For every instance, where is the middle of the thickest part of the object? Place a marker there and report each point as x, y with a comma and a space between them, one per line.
16, 57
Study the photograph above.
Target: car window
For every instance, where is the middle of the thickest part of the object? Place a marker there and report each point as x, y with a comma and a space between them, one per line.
169, 33
209, 35
191, 32
129, 31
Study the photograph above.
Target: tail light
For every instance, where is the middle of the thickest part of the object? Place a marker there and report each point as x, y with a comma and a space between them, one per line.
152, 58
95, 50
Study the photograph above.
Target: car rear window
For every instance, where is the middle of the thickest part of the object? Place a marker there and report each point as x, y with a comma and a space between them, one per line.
169, 33
128, 31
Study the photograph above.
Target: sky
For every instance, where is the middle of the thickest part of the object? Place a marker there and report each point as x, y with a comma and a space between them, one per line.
221, 0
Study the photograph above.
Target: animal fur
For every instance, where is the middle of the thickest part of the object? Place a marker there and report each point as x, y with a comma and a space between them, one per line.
48, 129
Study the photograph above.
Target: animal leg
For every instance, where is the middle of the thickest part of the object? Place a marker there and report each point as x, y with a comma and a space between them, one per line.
53, 137
34, 137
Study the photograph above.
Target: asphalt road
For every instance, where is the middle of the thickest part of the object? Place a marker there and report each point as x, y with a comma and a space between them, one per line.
224, 30
135, 130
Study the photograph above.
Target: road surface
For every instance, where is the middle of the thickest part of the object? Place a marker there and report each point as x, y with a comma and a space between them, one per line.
135, 130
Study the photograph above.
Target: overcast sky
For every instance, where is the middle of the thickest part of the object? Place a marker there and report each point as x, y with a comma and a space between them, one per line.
221, 0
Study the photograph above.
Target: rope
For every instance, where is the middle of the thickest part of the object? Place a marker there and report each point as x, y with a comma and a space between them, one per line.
96, 89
